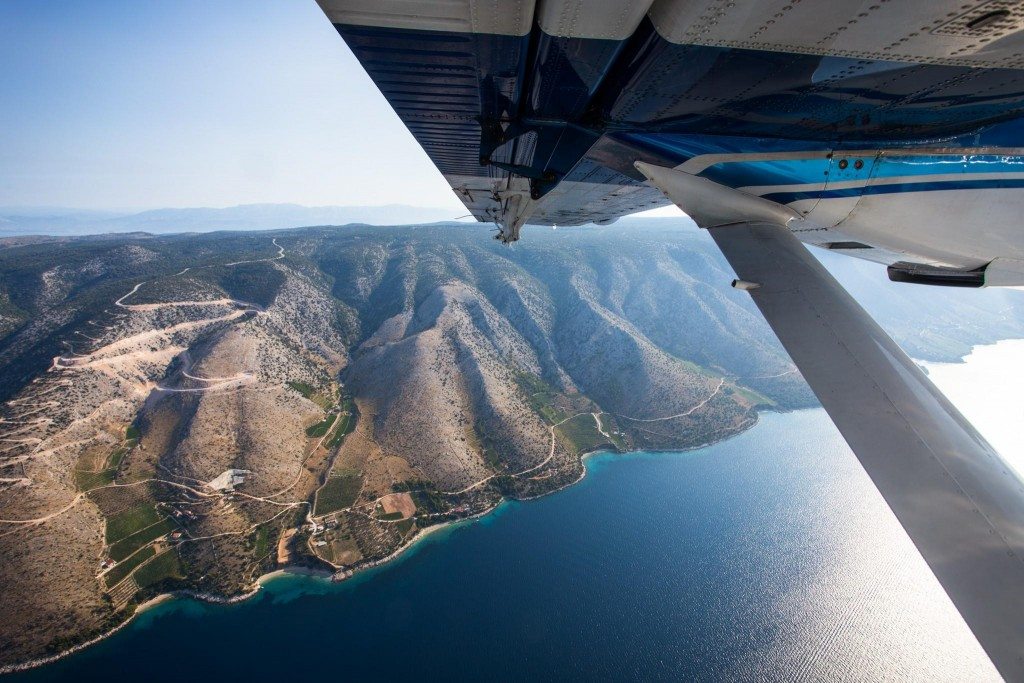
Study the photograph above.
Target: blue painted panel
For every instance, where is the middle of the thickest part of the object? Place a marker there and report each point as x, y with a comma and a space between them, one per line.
996, 184
659, 86
566, 75
680, 148
925, 165
687, 146
770, 172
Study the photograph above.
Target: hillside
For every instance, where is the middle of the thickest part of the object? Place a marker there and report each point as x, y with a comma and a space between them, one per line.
189, 412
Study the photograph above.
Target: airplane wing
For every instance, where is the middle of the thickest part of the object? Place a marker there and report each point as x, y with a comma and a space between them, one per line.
885, 130
534, 110
959, 502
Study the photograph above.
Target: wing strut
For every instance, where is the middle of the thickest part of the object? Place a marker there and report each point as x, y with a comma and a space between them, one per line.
959, 502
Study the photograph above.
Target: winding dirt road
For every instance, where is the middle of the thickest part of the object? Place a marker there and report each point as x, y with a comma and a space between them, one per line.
721, 383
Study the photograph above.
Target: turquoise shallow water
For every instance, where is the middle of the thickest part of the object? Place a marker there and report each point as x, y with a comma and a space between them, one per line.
766, 557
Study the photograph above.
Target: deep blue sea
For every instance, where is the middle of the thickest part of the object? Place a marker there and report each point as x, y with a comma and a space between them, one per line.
768, 557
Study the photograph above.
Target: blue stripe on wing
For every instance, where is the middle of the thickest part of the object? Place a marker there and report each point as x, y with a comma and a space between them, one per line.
892, 188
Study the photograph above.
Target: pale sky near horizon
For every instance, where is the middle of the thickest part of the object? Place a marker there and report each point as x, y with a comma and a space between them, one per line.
174, 103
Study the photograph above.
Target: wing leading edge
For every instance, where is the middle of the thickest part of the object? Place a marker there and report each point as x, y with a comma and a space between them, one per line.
962, 506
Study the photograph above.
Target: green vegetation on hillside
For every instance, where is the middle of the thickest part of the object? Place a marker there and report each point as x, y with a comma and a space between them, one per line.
123, 569
256, 283
580, 434
345, 427
322, 397
611, 427
128, 545
86, 480
483, 441
303, 388
163, 566
320, 428
261, 545
131, 529
130, 521
429, 501
541, 397
339, 492
346, 422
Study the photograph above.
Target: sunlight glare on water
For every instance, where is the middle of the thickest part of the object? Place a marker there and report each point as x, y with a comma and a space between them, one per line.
986, 387
767, 557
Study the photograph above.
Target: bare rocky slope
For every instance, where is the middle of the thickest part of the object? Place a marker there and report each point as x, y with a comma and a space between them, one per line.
189, 412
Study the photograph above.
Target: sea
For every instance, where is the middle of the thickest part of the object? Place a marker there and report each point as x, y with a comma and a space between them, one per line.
986, 387
767, 557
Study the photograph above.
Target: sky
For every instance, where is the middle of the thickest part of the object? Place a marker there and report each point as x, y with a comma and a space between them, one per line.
173, 103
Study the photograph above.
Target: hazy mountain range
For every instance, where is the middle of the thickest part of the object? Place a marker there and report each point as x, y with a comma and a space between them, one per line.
62, 221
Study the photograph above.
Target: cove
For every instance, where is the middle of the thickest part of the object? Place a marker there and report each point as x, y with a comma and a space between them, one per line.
769, 556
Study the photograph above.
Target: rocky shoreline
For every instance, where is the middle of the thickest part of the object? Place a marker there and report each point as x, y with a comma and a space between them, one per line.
337, 576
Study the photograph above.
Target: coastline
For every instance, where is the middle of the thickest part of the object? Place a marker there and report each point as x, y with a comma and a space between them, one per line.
49, 659
339, 576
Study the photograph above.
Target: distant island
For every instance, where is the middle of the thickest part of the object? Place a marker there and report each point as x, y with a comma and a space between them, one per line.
188, 413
